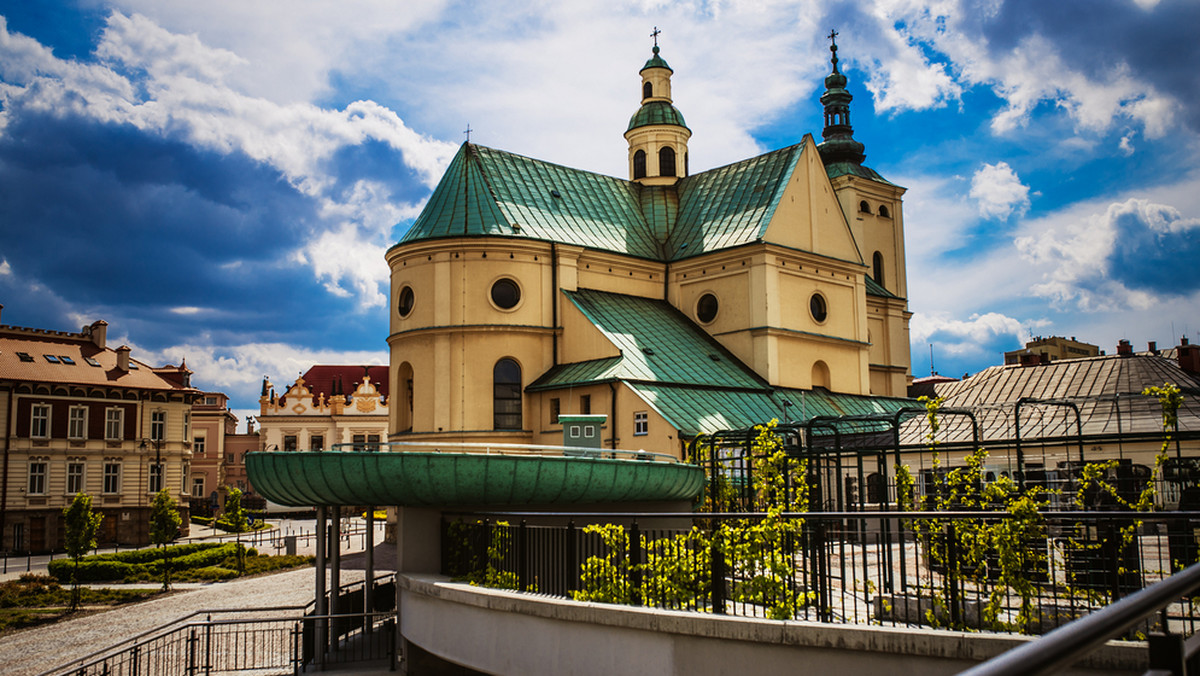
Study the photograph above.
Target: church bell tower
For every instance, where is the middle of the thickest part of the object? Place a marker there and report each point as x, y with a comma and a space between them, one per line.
657, 134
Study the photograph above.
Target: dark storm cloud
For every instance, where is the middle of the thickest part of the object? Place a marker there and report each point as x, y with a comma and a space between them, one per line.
1098, 37
1154, 249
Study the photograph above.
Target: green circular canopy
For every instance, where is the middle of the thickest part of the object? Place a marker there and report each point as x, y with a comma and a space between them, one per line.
302, 479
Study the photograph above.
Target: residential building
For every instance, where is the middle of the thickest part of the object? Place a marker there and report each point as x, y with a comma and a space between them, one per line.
1043, 350
327, 405
80, 416
674, 303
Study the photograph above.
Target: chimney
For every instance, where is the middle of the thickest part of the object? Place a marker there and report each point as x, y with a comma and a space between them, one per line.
1153, 347
249, 425
1124, 348
1189, 357
99, 333
123, 358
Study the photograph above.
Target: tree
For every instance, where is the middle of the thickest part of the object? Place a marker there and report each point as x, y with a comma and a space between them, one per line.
164, 526
235, 514
82, 524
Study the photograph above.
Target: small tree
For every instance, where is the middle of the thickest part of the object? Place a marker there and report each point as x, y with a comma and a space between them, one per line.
164, 526
82, 524
235, 514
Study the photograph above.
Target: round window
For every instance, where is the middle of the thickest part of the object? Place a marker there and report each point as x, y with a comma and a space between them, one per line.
506, 294
404, 303
816, 305
706, 308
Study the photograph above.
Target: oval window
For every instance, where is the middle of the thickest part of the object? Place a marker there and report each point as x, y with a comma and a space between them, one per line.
506, 294
404, 303
706, 308
816, 305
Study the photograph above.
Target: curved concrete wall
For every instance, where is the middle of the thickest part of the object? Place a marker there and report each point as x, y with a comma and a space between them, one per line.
501, 632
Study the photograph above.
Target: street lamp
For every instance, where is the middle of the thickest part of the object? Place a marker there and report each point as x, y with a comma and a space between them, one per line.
156, 470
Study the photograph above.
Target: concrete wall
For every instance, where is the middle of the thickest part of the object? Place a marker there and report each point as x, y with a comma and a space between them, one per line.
503, 632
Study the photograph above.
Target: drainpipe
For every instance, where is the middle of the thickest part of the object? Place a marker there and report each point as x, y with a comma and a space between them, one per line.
12, 409
554, 291
613, 436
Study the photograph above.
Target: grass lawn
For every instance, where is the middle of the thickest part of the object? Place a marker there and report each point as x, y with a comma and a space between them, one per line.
40, 599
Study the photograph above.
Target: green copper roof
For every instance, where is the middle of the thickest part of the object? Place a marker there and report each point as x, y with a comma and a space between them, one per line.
657, 343
486, 191
656, 61
876, 289
835, 169
730, 205
656, 112
301, 479
695, 411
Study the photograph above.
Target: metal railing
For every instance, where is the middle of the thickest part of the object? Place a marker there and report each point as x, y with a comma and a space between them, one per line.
1170, 654
901, 569
503, 449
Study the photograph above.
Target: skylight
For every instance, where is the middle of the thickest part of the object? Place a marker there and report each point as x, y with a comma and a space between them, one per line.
51, 358
24, 356
66, 360
91, 362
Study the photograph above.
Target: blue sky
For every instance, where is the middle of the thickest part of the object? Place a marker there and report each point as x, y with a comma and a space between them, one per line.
219, 180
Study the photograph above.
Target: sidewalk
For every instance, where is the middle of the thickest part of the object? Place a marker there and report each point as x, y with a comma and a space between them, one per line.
32, 651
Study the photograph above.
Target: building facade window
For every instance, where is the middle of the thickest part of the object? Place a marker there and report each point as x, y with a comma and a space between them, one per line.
39, 421
187, 424
877, 268
506, 395
641, 423
77, 422
360, 442
647, 90
639, 164
185, 471
156, 477
316, 442
114, 424
666, 161
74, 476
373, 442
585, 404
198, 487
289, 443
158, 425
198, 446
555, 409
112, 477
37, 476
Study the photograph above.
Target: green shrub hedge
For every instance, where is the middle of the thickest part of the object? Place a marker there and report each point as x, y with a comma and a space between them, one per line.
138, 563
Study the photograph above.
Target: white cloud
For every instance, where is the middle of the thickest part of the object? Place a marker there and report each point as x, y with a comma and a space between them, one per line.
999, 191
1126, 145
5, 268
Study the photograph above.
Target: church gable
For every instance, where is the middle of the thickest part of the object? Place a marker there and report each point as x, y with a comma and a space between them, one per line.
809, 216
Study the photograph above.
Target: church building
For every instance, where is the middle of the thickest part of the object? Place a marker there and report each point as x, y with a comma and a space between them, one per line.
674, 303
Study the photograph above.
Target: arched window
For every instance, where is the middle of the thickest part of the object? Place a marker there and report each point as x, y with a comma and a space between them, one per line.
877, 261
666, 161
883, 211
820, 375
647, 90
639, 164
864, 207
506, 395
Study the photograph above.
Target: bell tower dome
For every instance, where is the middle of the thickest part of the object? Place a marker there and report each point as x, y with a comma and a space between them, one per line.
657, 134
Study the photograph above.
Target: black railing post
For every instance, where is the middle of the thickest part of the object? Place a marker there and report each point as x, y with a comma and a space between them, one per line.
136, 662
635, 564
571, 560
522, 556
191, 662
296, 657
718, 571
1111, 549
208, 646
952, 599
1167, 654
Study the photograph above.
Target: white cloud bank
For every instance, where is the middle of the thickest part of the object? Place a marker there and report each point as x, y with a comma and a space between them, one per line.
999, 191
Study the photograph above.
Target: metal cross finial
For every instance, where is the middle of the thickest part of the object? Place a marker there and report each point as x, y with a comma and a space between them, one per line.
655, 35
468, 132
833, 37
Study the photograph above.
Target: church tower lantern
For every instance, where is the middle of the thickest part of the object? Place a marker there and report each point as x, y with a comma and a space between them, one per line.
657, 134
839, 144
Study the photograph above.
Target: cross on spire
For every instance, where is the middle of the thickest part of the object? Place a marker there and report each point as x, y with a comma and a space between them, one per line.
468, 131
655, 35
833, 37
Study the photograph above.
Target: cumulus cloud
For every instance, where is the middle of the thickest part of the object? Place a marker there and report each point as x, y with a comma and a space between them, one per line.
956, 341
999, 191
173, 86
1131, 254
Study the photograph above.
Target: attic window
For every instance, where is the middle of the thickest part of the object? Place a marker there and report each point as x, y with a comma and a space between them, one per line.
91, 362
648, 350
24, 356
555, 193
51, 358
66, 360
133, 366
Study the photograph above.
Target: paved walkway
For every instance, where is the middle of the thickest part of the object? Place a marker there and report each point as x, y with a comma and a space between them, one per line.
32, 651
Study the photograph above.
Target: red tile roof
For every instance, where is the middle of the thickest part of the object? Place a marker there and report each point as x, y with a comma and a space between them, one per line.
321, 378
76, 369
